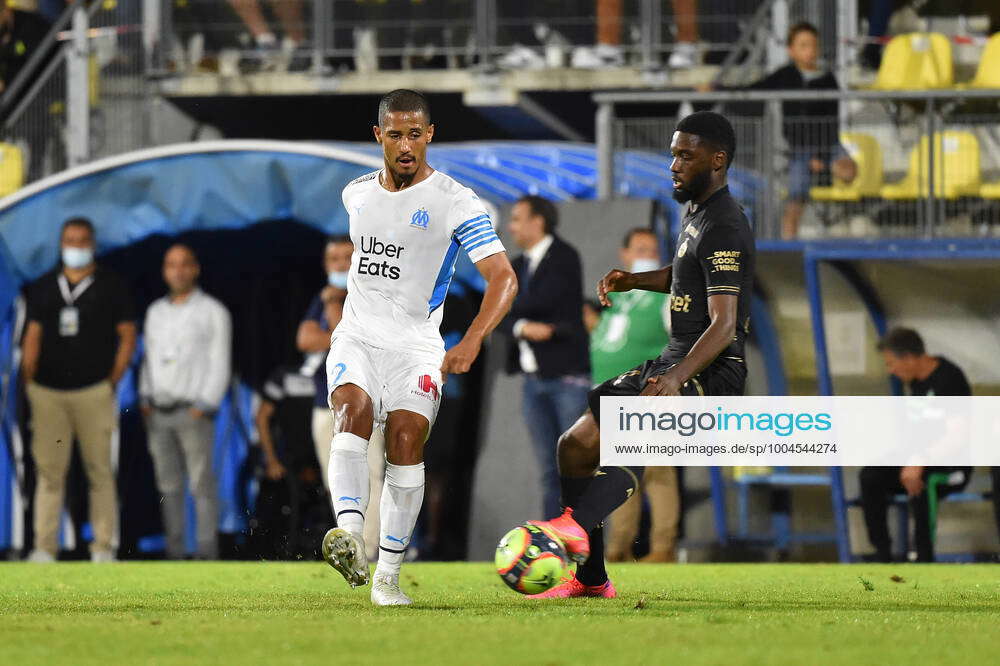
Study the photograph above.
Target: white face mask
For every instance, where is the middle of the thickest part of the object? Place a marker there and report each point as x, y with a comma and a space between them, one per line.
77, 257
645, 265
337, 279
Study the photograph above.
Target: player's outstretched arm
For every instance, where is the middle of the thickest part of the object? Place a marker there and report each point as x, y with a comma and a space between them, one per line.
501, 288
718, 335
619, 280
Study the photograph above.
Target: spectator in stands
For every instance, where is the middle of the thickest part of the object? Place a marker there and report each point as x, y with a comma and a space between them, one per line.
905, 357
607, 52
77, 344
810, 128
291, 512
313, 339
548, 342
185, 375
879, 13
270, 53
631, 331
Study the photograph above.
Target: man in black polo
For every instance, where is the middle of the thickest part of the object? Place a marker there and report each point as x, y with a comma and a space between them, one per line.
77, 344
905, 357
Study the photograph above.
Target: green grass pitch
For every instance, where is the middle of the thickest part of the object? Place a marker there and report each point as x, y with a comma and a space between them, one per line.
277, 613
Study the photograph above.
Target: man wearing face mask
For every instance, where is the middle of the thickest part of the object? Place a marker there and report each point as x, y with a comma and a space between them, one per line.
79, 337
632, 330
313, 339
185, 375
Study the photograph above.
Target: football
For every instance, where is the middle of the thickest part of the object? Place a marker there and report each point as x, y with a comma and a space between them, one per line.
529, 560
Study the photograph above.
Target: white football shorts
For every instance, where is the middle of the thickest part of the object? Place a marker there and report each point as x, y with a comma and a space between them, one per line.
393, 379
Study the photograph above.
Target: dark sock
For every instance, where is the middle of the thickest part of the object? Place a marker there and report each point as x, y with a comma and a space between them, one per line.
592, 572
572, 487
607, 491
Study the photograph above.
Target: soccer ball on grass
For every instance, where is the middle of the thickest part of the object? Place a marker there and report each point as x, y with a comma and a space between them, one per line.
529, 560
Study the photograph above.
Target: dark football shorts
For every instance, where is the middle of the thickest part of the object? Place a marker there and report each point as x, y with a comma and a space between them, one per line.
724, 376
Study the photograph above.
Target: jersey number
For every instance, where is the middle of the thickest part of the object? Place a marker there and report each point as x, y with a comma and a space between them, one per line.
340, 371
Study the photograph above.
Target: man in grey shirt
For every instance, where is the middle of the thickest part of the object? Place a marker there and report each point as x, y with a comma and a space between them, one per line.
185, 375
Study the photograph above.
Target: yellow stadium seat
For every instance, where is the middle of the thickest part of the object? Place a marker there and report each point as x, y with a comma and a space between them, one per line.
916, 61
990, 191
988, 72
865, 151
11, 169
956, 168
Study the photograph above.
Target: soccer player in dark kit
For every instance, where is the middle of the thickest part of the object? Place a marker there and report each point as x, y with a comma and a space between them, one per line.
710, 282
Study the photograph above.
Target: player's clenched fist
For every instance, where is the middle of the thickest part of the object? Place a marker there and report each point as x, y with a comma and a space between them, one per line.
661, 385
615, 280
460, 358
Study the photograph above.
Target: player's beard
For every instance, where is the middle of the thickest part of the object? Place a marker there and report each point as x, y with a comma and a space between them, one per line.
695, 187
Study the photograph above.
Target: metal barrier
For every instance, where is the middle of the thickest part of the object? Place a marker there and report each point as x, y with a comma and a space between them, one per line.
247, 36
84, 98
839, 163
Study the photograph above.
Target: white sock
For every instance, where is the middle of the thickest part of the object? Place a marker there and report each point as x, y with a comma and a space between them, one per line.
348, 476
402, 495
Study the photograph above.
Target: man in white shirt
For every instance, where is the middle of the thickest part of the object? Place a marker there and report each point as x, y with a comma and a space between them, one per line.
185, 375
387, 359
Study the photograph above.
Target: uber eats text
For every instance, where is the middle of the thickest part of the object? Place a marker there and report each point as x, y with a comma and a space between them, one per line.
376, 265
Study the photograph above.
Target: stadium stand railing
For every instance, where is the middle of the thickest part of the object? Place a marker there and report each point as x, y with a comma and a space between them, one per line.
85, 97
904, 184
207, 35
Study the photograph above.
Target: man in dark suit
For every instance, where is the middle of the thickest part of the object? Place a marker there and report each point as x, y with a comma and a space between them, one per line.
548, 340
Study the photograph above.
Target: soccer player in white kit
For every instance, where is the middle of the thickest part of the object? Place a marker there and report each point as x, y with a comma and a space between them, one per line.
408, 223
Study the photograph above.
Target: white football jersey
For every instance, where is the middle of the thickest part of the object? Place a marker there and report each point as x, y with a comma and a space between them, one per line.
406, 244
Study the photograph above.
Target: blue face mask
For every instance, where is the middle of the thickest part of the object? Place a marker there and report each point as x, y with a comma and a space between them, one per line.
337, 279
645, 265
77, 257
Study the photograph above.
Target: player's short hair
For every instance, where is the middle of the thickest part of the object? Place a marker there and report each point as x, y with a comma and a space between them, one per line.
635, 231
81, 222
403, 100
713, 129
801, 26
337, 239
902, 342
545, 208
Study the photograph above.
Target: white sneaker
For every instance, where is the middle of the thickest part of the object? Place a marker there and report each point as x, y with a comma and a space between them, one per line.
346, 553
39, 556
684, 55
602, 56
386, 592
102, 557
521, 57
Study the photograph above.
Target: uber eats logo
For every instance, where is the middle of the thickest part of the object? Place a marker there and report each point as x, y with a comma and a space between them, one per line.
373, 255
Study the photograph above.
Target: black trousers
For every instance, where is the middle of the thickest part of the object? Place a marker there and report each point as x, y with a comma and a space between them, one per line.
878, 486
